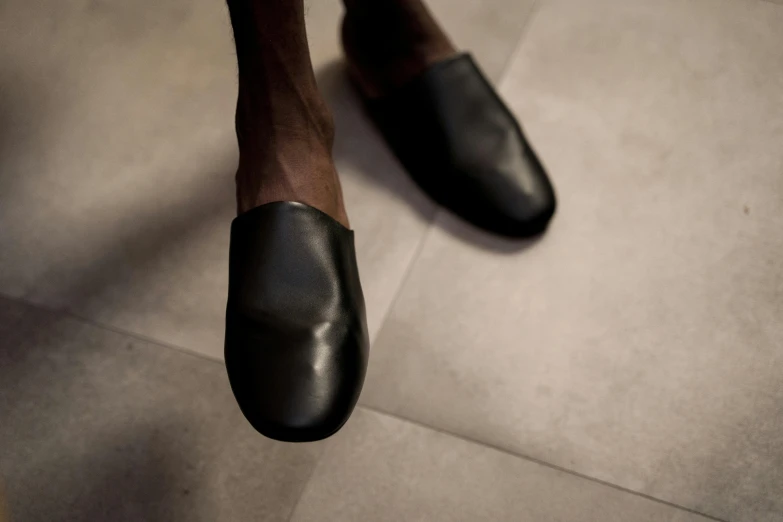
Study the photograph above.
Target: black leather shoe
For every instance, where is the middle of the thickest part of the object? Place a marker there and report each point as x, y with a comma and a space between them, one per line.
296, 335
462, 145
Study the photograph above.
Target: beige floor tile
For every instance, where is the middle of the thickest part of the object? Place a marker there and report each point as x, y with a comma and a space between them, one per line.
117, 146
100, 426
117, 161
639, 341
384, 469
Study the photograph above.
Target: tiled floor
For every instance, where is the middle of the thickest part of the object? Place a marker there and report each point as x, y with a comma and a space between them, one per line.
97, 425
625, 367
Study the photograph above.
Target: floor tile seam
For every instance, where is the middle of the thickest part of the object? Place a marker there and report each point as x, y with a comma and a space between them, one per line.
64, 312
376, 410
406, 275
516, 51
534, 460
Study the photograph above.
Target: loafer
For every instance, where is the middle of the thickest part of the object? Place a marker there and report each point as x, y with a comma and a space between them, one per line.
463, 146
296, 344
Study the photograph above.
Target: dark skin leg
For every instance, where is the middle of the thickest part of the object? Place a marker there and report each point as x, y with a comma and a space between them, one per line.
389, 42
284, 128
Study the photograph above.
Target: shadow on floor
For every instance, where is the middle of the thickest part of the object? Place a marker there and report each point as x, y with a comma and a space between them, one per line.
83, 440
152, 235
136, 475
134, 469
29, 125
360, 149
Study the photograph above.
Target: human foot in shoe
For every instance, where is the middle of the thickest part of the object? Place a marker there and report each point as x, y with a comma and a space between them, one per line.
443, 119
296, 342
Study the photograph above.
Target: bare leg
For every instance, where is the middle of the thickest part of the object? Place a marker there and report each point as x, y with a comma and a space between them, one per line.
284, 129
388, 42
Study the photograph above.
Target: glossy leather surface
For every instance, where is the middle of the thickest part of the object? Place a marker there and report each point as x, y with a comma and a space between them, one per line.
463, 146
296, 337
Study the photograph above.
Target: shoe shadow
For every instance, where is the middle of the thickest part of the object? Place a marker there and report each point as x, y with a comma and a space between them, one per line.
359, 148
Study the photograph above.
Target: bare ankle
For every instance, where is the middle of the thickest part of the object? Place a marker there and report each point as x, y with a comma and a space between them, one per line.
284, 129
389, 43
291, 161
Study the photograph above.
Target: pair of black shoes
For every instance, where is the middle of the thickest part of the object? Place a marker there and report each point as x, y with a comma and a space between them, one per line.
296, 336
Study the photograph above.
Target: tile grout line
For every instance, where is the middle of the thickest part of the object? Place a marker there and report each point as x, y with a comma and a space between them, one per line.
543, 463
518, 46
307, 482
379, 411
408, 270
64, 312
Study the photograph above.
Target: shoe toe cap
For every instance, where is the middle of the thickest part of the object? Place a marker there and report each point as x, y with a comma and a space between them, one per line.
530, 215
296, 386
522, 209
